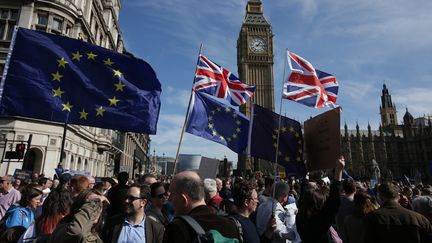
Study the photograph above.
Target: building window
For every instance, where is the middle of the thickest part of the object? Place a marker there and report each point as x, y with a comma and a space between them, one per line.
57, 24
42, 18
8, 19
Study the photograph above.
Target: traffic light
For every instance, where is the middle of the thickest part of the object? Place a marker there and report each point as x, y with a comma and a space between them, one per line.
20, 148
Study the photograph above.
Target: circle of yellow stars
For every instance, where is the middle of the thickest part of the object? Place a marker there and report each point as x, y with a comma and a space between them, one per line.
212, 128
62, 64
296, 136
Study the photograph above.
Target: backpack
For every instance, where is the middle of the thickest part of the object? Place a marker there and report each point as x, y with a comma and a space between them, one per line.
211, 236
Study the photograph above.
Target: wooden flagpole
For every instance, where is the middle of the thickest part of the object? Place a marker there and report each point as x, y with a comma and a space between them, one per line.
187, 114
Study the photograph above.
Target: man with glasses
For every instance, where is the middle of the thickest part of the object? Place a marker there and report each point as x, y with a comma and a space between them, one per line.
8, 194
134, 226
246, 201
158, 199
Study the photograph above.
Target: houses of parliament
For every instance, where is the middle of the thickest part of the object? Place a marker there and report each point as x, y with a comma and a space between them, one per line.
394, 150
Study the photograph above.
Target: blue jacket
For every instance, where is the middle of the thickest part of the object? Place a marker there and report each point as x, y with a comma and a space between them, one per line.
19, 216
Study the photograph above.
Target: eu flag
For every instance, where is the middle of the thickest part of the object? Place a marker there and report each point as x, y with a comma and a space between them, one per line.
55, 78
215, 121
263, 140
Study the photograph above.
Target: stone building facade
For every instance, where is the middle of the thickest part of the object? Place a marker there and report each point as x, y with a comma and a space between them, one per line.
99, 152
398, 149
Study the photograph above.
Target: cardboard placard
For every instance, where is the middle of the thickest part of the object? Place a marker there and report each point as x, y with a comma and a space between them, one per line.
322, 140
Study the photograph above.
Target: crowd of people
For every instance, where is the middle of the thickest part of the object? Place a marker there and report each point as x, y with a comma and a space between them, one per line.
185, 208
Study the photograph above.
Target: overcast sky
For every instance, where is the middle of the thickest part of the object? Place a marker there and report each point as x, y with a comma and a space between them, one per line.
363, 43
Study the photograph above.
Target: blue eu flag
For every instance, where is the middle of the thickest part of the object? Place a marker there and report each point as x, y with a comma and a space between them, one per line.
263, 140
55, 78
215, 121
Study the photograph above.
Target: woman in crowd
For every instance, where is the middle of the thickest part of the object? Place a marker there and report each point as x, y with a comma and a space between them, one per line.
354, 228
56, 206
23, 213
80, 225
318, 208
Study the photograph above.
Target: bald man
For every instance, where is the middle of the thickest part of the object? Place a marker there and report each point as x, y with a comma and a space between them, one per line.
187, 197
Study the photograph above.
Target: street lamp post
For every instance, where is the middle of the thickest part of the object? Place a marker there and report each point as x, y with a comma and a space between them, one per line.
163, 160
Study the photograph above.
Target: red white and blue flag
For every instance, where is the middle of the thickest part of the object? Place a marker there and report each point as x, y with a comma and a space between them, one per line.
309, 86
217, 81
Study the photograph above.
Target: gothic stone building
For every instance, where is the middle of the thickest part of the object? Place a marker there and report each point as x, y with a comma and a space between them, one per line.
398, 149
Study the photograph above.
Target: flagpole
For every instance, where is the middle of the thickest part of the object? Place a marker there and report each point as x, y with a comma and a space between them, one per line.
63, 141
187, 114
278, 133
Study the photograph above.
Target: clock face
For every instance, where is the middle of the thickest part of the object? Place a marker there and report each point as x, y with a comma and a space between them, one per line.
257, 45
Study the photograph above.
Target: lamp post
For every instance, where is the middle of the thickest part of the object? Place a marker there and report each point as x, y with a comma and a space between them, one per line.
154, 159
163, 159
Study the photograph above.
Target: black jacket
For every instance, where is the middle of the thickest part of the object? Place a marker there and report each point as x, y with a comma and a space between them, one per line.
179, 231
393, 223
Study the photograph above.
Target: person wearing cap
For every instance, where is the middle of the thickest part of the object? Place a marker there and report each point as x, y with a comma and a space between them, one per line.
8, 194
212, 198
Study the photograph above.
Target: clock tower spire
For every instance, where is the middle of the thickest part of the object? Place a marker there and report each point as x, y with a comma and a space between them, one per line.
255, 65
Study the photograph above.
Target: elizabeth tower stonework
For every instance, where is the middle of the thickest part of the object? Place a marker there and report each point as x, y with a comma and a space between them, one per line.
255, 66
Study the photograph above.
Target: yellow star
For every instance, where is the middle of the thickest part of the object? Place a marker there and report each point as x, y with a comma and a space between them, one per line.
296, 135
76, 56
300, 151
234, 136
100, 111
276, 130
275, 145
298, 158
91, 55
67, 107
214, 133
210, 118
283, 129
291, 129
218, 109
238, 122
210, 126
274, 136
279, 153
117, 73
62, 62
229, 139
238, 130
287, 158
235, 115
119, 86
213, 112
58, 92
56, 76
83, 114
221, 138
108, 62
113, 101
299, 142
227, 109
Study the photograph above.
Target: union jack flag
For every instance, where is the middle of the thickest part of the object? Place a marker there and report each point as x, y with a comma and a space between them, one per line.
309, 86
330, 85
217, 81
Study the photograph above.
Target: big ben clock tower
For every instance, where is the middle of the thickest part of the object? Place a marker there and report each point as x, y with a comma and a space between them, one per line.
255, 65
